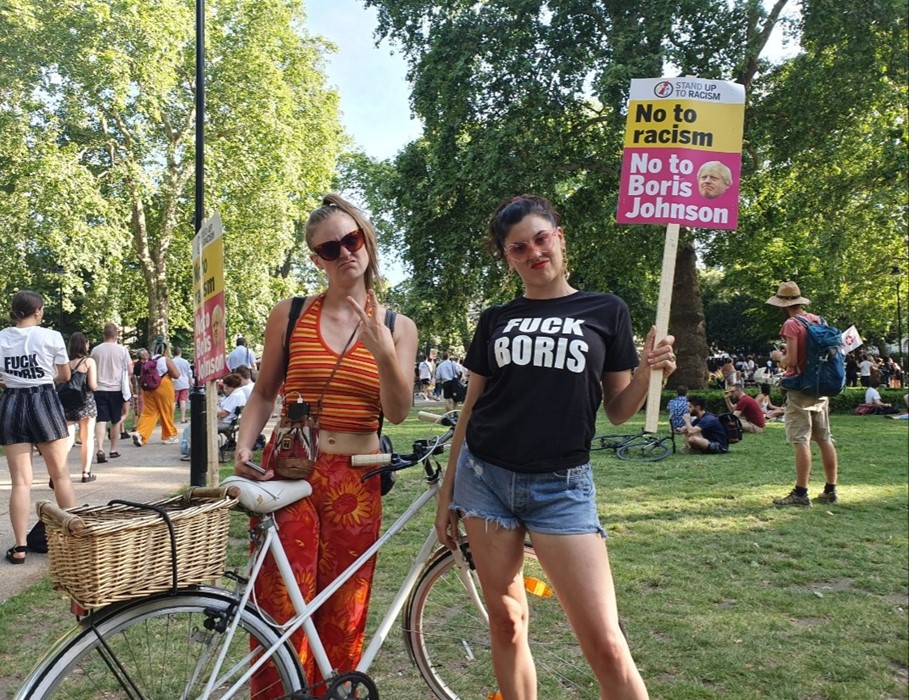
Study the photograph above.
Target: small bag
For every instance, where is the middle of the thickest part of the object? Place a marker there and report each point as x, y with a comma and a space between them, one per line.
36, 539
294, 446
73, 393
865, 409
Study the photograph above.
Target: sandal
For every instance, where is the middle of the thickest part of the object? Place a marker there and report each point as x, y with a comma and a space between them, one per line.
15, 550
114, 454
100, 458
88, 476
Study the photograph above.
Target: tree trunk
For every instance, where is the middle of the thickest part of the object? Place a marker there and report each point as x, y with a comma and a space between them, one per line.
686, 319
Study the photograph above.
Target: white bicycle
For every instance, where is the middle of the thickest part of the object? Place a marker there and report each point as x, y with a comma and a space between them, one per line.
208, 642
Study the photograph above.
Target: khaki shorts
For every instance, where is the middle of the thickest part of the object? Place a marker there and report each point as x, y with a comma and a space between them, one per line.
806, 418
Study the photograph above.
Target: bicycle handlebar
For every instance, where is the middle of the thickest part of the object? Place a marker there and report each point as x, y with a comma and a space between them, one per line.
370, 460
423, 449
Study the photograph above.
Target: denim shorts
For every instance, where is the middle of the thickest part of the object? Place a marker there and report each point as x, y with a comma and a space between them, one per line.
562, 502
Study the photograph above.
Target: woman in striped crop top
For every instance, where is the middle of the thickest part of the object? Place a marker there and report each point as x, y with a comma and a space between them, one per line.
324, 533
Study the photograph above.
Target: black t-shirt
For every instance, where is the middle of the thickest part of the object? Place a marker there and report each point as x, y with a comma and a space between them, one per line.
712, 429
544, 361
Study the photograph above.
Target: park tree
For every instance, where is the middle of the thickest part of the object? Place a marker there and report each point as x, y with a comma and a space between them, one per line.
104, 92
529, 96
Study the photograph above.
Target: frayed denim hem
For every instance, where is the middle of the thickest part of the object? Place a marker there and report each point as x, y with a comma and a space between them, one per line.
504, 523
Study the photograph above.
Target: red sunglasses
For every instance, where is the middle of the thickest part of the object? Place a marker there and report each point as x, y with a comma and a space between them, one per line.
331, 250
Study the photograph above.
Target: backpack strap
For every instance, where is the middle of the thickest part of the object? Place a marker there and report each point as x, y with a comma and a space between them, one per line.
390, 317
79, 364
296, 307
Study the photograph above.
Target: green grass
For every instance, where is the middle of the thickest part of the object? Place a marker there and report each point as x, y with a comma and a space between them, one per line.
722, 595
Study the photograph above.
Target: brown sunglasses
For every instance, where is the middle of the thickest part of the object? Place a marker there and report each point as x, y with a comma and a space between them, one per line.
331, 250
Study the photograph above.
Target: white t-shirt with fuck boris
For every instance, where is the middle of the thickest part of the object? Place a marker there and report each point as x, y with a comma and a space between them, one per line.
29, 356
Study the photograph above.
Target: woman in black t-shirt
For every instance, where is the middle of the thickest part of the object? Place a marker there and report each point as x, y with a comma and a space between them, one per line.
540, 367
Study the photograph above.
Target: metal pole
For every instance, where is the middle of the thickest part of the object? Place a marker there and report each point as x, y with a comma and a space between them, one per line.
899, 325
198, 465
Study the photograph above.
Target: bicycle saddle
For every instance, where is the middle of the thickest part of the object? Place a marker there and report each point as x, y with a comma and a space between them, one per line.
264, 497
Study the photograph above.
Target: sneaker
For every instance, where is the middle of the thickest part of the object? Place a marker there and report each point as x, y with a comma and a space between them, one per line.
185, 458
137, 440
828, 497
793, 499
171, 441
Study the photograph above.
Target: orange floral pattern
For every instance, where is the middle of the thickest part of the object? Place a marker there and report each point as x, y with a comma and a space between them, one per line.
323, 535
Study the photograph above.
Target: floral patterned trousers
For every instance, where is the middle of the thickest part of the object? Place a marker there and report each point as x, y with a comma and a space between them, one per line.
323, 535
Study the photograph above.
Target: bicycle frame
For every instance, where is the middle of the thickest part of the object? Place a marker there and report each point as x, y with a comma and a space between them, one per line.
271, 543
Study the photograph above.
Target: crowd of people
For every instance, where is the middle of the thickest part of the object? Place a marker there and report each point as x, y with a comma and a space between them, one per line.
444, 380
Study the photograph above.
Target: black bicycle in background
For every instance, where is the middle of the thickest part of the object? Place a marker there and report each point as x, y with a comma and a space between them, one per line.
636, 447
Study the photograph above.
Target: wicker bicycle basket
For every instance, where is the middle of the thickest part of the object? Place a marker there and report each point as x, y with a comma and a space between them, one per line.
104, 554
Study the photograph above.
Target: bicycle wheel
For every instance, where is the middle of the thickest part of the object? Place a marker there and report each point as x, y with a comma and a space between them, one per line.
161, 648
606, 442
652, 450
448, 637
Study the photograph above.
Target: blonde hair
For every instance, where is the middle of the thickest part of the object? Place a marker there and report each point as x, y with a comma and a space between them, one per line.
333, 204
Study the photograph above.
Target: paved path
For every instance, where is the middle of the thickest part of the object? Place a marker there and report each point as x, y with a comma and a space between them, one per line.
140, 474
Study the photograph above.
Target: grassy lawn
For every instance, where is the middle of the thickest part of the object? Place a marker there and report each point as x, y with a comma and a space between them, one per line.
722, 595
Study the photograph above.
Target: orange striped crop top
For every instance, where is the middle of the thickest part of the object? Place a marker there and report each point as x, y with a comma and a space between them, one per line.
351, 402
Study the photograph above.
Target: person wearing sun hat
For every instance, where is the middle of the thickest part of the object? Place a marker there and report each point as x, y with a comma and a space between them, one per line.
806, 417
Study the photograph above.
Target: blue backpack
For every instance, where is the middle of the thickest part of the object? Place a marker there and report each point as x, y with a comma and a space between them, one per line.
825, 365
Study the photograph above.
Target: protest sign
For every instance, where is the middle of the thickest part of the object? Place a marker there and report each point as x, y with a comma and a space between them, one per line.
680, 167
851, 339
682, 156
209, 319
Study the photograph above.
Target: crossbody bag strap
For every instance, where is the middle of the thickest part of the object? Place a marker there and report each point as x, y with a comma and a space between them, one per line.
337, 364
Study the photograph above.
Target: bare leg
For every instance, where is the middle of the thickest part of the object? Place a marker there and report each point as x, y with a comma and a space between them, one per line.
830, 460
802, 464
578, 568
697, 442
87, 432
499, 556
54, 454
19, 459
71, 437
100, 430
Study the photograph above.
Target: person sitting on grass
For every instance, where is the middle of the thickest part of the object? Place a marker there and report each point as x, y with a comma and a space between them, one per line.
703, 431
746, 408
678, 409
771, 412
873, 398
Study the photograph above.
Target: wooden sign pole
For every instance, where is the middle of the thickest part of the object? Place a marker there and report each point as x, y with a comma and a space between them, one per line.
212, 437
664, 302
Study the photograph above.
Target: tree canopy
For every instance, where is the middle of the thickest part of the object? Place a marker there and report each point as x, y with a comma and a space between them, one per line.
529, 96
97, 104
516, 96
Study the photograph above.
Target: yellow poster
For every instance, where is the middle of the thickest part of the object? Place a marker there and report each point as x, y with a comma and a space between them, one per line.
209, 319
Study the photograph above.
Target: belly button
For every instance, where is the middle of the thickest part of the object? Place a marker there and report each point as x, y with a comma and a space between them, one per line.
331, 441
